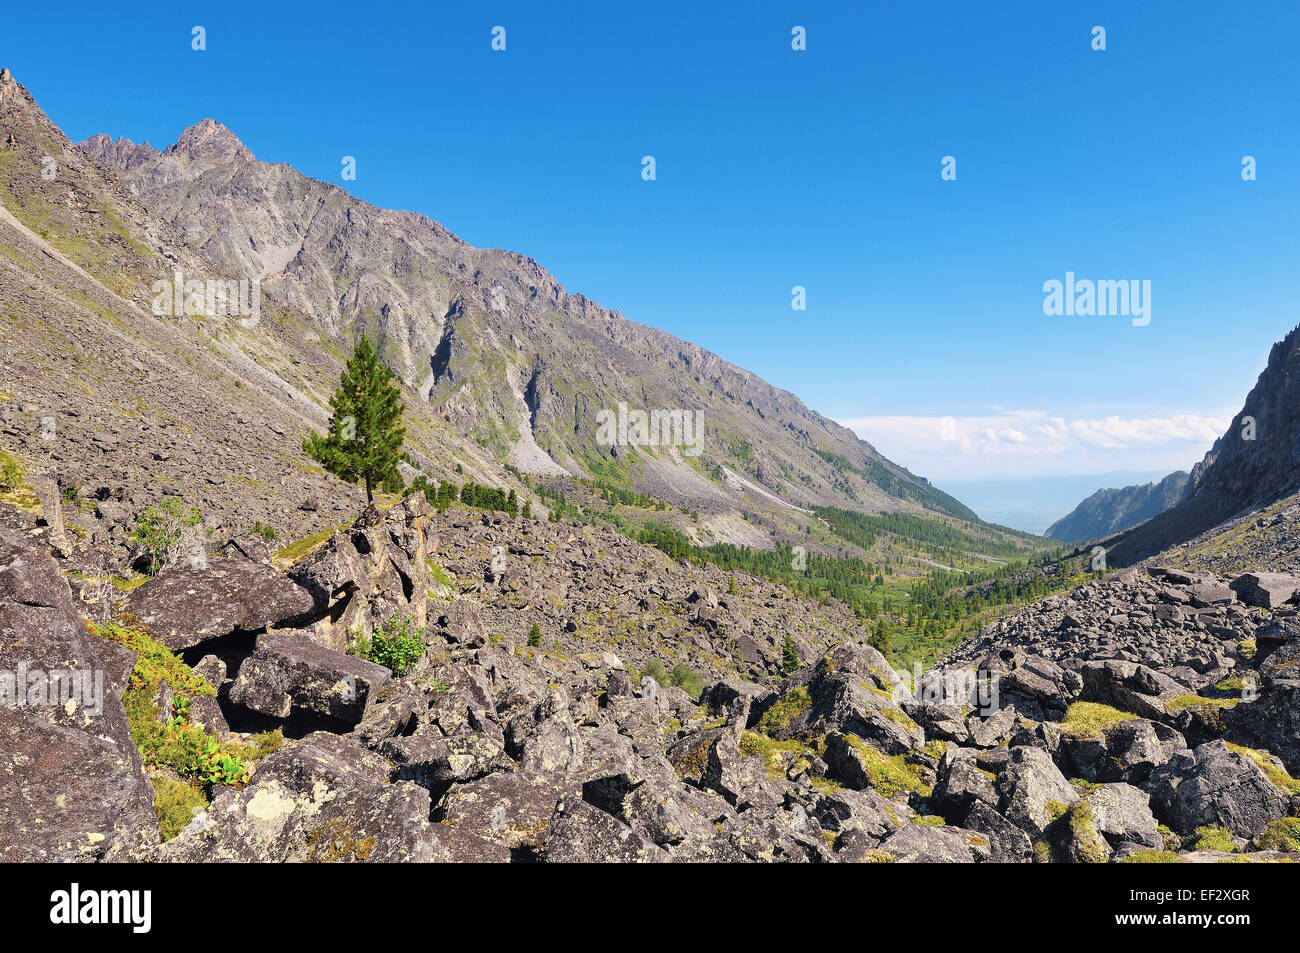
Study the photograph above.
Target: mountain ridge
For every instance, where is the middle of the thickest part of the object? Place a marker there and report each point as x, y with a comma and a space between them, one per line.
1112, 509
446, 299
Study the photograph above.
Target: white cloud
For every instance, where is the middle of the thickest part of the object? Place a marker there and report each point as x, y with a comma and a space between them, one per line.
1030, 443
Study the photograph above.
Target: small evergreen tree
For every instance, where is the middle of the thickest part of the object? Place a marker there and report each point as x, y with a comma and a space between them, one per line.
364, 442
789, 655
535, 636
528, 509
880, 640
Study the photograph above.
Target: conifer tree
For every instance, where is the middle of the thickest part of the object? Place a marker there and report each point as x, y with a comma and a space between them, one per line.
364, 442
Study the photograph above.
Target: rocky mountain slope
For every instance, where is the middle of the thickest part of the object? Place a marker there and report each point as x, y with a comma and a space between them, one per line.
116, 407
1110, 510
400, 684
496, 346
1147, 715
1253, 464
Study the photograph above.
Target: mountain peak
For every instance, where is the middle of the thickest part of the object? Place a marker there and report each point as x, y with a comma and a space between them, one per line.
12, 95
209, 139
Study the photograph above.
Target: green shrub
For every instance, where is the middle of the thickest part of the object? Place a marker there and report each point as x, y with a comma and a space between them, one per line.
535, 636
393, 645
12, 471
259, 528
687, 679
165, 529
1211, 837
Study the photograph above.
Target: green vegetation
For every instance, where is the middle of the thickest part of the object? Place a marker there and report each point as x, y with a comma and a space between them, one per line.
888, 774
175, 802
1270, 766
1210, 837
164, 529
263, 531
1090, 719
1152, 857
393, 645
12, 471
789, 655
1283, 835
185, 762
907, 487
774, 753
1199, 701
785, 710
535, 636
364, 441
681, 675
296, 551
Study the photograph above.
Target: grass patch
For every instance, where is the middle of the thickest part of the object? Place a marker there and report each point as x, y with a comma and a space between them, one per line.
1183, 702
299, 550
1276, 773
785, 710
772, 752
1090, 719
1152, 857
175, 802
889, 774
1211, 837
1281, 835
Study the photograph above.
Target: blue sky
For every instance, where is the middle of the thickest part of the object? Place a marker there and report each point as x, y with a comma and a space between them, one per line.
924, 326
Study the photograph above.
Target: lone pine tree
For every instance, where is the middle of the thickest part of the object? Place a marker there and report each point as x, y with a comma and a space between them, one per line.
364, 442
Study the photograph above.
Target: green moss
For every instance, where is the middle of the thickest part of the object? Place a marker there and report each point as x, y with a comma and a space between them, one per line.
155, 663
1210, 837
929, 820
1281, 835
176, 802
1090, 719
1152, 857
774, 753
1276, 773
1090, 847
785, 710
890, 775
296, 551
1199, 701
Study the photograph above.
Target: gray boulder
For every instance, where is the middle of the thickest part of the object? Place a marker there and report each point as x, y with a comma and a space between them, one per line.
1214, 785
289, 675
184, 606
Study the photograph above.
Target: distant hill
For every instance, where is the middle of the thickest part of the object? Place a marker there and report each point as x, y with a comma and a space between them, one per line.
1111, 510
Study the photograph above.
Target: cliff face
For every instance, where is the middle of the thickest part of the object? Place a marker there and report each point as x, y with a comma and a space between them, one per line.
1256, 462
1111, 510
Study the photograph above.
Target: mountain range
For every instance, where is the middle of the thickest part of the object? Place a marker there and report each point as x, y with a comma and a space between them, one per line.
1110, 510
692, 648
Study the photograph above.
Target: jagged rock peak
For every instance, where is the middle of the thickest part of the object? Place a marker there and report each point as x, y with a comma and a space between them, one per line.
118, 154
209, 139
12, 94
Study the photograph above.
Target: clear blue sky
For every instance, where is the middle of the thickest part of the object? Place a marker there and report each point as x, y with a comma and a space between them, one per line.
817, 168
